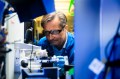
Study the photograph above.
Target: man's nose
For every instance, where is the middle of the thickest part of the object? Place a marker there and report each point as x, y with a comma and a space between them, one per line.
50, 37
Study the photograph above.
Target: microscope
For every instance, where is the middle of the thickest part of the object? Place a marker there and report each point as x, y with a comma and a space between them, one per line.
33, 62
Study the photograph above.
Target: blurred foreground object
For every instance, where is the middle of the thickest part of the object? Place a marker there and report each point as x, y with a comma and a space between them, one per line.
30, 9
2, 4
3, 49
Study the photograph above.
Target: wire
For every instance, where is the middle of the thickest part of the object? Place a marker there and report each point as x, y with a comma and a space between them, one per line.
32, 44
113, 42
31, 58
107, 47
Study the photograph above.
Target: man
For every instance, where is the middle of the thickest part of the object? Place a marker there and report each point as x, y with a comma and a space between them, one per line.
57, 41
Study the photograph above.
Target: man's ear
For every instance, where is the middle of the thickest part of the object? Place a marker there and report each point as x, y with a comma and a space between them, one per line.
66, 27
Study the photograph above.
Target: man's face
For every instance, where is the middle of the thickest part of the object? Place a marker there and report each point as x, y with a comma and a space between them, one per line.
55, 34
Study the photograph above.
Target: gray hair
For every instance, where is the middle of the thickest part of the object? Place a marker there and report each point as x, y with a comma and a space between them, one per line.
51, 16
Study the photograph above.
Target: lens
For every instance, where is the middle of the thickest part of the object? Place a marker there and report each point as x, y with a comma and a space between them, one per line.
53, 32
46, 32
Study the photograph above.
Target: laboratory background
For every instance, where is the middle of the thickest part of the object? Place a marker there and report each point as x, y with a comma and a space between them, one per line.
95, 25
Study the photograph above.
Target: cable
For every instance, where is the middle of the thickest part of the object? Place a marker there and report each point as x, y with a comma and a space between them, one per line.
113, 41
32, 44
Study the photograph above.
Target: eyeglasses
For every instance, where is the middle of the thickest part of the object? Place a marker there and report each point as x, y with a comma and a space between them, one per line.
53, 32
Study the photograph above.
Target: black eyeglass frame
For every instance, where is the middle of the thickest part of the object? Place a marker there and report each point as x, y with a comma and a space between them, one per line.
53, 32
